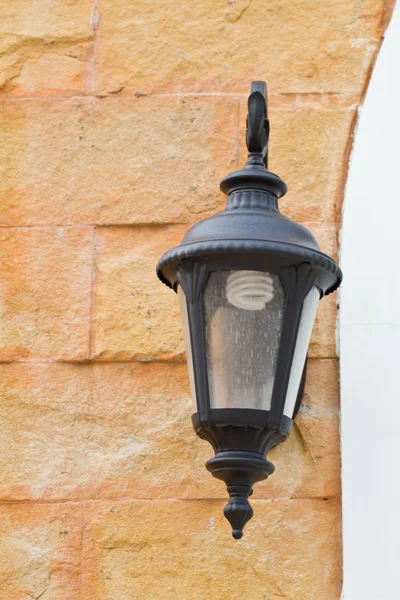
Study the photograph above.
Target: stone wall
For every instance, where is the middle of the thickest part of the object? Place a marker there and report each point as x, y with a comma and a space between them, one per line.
118, 118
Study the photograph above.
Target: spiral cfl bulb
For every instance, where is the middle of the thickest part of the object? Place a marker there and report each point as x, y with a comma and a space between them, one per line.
250, 290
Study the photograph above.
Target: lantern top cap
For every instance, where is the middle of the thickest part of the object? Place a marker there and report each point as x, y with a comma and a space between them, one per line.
251, 224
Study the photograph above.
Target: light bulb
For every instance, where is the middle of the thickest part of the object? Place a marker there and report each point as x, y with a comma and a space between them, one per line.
250, 290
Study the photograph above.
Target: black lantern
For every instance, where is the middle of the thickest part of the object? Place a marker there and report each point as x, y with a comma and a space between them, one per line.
248, 281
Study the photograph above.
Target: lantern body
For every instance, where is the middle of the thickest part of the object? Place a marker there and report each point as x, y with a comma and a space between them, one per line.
242, 345
249, 281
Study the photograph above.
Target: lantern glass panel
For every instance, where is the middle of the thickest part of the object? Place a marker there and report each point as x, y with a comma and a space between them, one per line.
307, 318
243, 319
187, 342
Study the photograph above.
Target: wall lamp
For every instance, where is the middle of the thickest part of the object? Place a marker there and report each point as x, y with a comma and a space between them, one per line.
248, 281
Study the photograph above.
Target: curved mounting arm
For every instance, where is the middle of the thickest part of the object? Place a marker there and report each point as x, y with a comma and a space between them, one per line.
257, 124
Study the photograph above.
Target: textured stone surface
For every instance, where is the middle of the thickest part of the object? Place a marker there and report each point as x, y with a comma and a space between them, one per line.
45, 292
134, 315
135, 160
40, 551
304, 46
125, 116
97, 431
124, 431
183, 551
45, 47
163, 158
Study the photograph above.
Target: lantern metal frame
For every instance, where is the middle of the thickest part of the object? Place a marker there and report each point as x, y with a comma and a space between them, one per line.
250, 234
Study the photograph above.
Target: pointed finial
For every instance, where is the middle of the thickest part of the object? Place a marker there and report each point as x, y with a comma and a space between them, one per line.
238, 510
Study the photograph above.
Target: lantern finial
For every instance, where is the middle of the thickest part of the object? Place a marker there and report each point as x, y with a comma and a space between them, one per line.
238, 510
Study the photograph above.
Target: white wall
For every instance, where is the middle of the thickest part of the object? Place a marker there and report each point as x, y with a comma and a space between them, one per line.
369, 339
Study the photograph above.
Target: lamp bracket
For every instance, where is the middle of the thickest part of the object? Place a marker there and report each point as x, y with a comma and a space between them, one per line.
257, 123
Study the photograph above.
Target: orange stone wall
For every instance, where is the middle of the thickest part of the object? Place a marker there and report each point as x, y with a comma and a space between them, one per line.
117, 120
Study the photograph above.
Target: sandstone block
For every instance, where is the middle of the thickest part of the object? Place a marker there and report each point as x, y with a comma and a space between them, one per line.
110, 431
207, 46
45, 288
135, 317
121, 161
183, 551
40, 551
158, 160
45, 47
97, 431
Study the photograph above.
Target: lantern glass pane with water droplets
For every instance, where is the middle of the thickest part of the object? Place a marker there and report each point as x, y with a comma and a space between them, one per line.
243, 317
